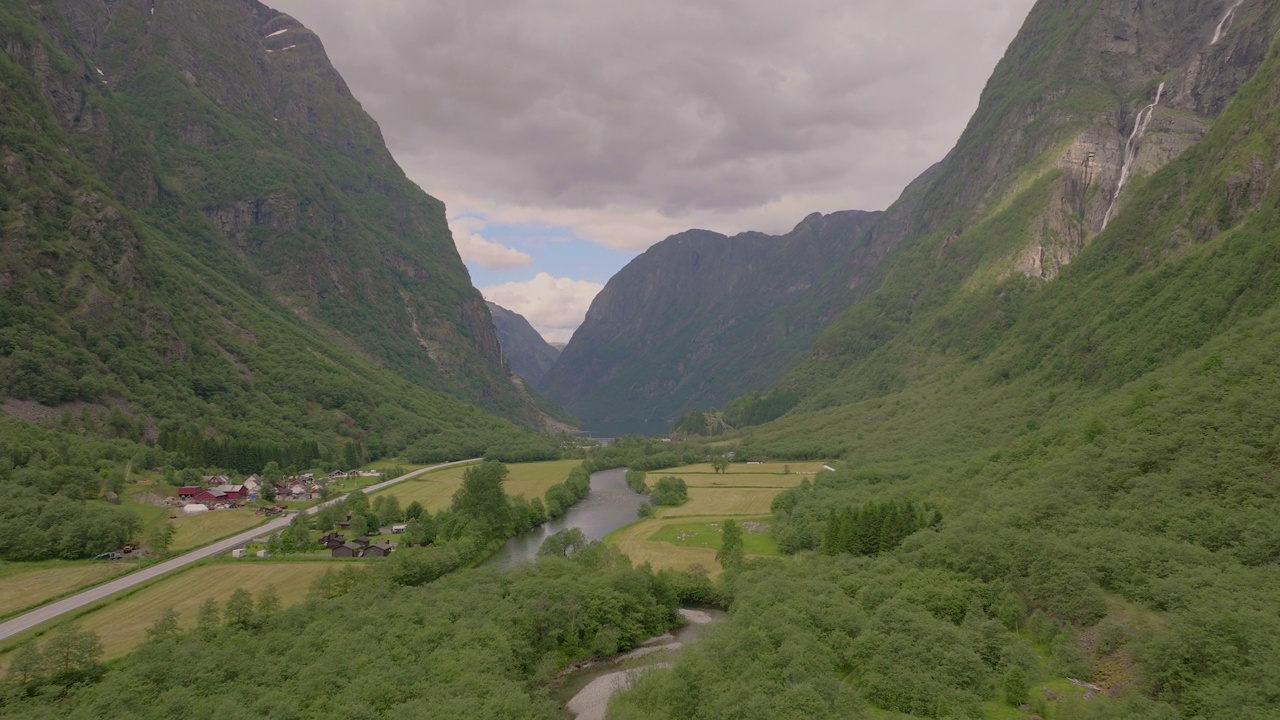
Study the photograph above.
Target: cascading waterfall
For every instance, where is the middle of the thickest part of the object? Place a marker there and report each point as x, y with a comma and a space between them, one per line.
1226, 21
1131, 151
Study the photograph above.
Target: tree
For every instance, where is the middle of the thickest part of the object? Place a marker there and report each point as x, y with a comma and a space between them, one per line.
73, 650
719, 464
351, 455
565, 543
414, 510
482, 500
162, 537
165, 626
1016, 686
671, 491
209, 618
730, 554
268, 605
389, 511
239, 612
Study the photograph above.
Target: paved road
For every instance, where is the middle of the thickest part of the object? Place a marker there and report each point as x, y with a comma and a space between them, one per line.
28, 620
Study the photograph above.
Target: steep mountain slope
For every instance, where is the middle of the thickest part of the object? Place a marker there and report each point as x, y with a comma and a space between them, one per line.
700, 318
203, 230
524, 348
1029, 185
1098, 432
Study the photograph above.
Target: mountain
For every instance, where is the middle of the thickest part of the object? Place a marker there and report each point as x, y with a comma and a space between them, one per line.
1071, 356
205, 235
700, 318
524, 348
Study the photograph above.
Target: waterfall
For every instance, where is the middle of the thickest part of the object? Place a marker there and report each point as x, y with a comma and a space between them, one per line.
1225, 24
1131, 151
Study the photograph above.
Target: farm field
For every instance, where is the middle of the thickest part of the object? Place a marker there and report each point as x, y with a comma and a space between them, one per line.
197, 530
678, 543
795, 468
679, 537
724, 501
435, 489
23, 585
756, 539
123, 623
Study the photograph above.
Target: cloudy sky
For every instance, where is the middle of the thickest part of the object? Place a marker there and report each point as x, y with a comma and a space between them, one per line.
566, 136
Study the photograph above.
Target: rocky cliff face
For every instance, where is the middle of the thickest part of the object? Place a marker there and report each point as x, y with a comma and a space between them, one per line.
224, 123
700, 318
1090, 98
529, 355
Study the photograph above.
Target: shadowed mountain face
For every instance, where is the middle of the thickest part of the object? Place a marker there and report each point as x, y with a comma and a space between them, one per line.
701, 318
524, 348
201, 223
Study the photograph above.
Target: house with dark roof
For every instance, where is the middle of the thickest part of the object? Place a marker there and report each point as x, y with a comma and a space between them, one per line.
347, 550
379, 549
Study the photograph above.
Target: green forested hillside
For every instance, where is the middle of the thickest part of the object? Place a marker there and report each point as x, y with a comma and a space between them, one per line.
209, 259
200, 236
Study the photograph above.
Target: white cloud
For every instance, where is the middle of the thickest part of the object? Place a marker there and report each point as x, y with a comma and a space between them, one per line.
474, 248
554, 306
629, 121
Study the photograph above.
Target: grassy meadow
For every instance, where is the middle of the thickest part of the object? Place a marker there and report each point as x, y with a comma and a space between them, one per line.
435, 489
194, 531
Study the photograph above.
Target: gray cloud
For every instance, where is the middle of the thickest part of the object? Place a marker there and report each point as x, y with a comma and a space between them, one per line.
687, 109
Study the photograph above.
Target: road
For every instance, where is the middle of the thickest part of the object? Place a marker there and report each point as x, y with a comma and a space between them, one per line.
28, 620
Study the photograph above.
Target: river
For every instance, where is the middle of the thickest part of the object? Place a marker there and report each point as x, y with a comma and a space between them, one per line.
609, 506
586, 692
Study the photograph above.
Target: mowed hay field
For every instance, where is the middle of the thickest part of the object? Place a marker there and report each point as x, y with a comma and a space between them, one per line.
743, 475
435, 489
197, 530
123, 624
743, 493
659, 542
23, 585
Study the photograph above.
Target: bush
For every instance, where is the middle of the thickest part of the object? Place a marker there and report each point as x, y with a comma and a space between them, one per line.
670, 491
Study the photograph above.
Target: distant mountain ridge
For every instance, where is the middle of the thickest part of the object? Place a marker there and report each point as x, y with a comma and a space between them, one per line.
700, 318
524, 348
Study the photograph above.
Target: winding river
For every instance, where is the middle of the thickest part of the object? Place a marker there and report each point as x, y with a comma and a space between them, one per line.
585, 691
609, 506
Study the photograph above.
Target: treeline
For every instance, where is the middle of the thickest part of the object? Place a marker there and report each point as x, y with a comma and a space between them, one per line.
644, 454
243, 456
476, 644
757, 409
44, 527
670, 491
875, 527
513, 447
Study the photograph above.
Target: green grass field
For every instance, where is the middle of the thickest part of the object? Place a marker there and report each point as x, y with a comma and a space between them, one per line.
724, 501
435, 489
23, 585
678, 543
755, 536
197, 530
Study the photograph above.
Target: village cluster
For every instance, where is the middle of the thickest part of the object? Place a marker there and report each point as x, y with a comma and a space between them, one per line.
218, 492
